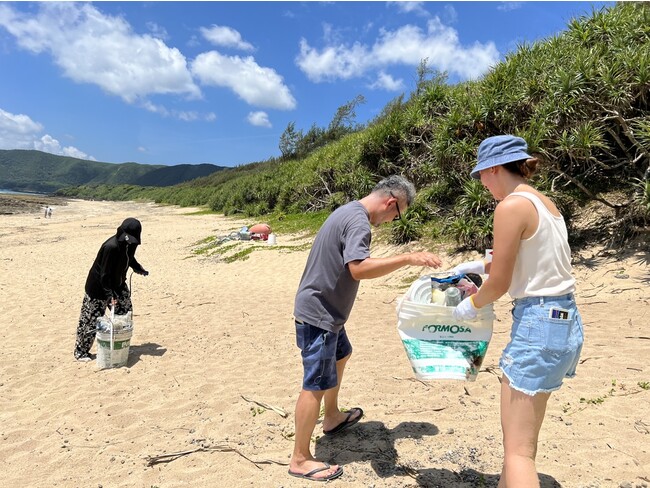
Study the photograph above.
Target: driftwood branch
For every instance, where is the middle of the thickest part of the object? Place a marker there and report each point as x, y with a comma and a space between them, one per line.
277, 410
411, 379
424, 410
168, 458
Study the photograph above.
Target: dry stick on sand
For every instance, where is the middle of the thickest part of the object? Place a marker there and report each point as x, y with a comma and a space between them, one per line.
277, 410
167, 458
411, 379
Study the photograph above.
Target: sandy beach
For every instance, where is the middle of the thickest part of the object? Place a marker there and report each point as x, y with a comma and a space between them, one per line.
213, 348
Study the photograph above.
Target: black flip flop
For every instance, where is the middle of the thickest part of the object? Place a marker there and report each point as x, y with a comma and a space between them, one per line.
347, 423
310, 476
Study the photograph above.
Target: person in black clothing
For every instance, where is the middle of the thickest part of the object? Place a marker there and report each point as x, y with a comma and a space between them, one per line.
106, 283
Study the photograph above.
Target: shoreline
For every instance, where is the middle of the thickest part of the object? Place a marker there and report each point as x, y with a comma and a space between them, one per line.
13, 203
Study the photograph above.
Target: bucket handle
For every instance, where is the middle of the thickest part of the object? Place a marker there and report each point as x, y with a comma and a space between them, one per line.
112, 330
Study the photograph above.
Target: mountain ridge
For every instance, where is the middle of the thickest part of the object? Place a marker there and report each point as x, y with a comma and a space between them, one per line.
37, 171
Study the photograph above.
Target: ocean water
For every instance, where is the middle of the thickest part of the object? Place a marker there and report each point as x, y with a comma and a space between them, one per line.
11, 192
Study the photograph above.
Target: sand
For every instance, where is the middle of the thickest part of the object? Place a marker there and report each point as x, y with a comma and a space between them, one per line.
213, 337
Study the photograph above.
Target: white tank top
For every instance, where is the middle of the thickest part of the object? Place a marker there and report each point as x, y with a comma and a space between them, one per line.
543, 265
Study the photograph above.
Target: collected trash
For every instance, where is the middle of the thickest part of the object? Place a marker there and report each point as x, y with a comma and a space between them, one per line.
448, 291
258, 232
438, 346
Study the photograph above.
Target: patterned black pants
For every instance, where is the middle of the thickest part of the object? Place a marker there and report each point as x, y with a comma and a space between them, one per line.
91, 310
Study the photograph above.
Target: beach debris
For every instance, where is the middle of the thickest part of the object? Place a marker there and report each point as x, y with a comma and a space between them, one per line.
623, 452
411, 379
277, 410
435, 409
597, 288
167, 458
290, 436
492, 370
618, 291
642, 427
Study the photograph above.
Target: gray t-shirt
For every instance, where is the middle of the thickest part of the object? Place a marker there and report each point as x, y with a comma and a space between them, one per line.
327, 290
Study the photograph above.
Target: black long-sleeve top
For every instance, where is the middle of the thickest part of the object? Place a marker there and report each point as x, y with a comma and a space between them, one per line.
115, 256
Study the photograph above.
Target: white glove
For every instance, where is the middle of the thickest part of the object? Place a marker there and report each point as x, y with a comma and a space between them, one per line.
476, 267
465, 310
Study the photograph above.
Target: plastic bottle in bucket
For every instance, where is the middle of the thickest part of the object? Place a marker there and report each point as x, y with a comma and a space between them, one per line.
452, 296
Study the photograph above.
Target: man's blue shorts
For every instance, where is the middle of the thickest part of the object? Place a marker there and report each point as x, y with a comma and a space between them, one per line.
320, 350
545, 343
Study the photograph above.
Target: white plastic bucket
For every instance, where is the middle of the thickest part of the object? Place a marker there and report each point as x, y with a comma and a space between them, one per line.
118, 355
113, 341
439, 347
271, 240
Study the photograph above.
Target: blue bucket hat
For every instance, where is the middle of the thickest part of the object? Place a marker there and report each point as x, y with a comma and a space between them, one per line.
498, 150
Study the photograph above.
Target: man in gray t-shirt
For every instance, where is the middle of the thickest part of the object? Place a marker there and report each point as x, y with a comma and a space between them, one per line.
339, 259
327, 289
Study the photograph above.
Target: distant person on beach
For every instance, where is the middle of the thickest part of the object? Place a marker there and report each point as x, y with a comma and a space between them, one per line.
532, 262
49, 212
339, 259
106, 283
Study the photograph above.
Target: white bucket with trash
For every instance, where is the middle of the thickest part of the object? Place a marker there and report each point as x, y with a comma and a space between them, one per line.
113, 340
437, 345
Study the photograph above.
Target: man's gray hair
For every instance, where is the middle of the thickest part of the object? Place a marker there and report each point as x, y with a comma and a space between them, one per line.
398, 185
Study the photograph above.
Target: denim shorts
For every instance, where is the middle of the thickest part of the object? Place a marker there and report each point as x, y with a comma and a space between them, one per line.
321, 349
545, 343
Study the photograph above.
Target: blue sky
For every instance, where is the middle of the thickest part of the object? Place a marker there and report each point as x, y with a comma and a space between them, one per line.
218, 82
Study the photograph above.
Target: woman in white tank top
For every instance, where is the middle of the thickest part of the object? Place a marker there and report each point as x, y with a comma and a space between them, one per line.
532, 262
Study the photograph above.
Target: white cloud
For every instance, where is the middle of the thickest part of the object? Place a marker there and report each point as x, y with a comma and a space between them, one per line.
153, 108
91, 47
49, 144
508, 6
408, 45
157, 30
224, 36
254, 84
410, 7
450, 15
333, 61
21, 132
259, 119
186, 116
387, 82
17, 131
73, 152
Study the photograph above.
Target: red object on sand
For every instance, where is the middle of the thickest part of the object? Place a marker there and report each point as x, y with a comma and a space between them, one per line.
260, 229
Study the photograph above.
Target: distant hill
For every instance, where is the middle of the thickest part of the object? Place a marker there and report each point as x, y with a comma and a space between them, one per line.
37, 171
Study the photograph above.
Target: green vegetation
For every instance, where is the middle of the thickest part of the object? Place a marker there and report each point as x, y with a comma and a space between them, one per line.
229, 251
580, 99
